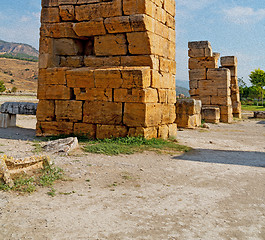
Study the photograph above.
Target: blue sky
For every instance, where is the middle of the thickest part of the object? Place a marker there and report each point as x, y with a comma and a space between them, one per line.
234, 27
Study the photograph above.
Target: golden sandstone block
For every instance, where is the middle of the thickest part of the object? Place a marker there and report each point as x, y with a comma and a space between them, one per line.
91, 28
50, 15
97, 112
85, 129
46, 110
67, 12
80, 77
107, 131
117, 43
68, 110
94, 94
211, 114
148, 95
148, 132
54, 128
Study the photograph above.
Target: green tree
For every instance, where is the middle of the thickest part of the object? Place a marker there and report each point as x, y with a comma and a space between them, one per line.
257, 78
2, 86
14, 89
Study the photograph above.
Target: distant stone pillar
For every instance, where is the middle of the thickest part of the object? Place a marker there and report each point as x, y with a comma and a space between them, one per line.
107, 68
209, 83
230, 62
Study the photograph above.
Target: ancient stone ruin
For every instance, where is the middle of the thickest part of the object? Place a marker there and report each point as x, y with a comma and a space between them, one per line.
107, 68
216, 87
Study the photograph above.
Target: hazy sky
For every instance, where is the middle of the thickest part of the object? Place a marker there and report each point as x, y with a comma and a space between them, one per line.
234, 27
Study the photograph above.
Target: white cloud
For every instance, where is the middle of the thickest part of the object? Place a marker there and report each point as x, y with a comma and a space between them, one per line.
244, 15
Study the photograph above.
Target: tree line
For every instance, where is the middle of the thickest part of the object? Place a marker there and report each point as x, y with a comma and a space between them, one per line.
254, 93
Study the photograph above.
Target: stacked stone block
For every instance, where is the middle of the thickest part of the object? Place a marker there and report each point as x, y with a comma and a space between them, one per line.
230, 62
209, 83
188, 113
107, 68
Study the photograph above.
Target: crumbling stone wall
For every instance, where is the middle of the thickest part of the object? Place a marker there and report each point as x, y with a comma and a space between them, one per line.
107, 68
212, 85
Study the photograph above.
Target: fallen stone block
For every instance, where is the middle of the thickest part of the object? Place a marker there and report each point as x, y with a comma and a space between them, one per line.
10, 167
64, 145
259, 114
211, 114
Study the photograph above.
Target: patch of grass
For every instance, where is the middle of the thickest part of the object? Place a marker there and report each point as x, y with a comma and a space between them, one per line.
2, 152
252, 108
66, 193
130, 145
44, 177
52, 192
37, 149
49, 175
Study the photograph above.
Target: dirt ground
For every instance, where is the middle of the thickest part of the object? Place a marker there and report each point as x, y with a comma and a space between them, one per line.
216, 191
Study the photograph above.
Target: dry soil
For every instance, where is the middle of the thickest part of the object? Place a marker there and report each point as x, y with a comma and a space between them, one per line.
216, 191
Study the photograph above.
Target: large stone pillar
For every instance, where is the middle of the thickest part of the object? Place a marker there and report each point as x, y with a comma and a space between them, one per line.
230, 62
209, 83
107, 68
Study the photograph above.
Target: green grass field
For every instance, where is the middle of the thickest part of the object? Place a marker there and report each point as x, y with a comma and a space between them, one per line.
252, 108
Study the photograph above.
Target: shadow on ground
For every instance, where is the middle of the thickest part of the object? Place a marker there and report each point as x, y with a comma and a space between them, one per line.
252, 159
261, 122
17, 133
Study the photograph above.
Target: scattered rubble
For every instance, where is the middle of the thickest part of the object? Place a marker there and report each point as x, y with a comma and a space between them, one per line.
10, 167
64, 145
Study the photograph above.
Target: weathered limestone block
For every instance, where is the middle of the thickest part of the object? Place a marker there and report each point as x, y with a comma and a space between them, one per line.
163, 132
71, 61
135, 114
259, 114
52, 76
63, 145
188, 113
68, 110
80, 77
98, 10
19, 108
209, 62
54, 128
211, 114
51, 92
147, 95
67, 47
102, 113
117, 42
197, 74
107, 131
10, 167
229, 61
46, 110
148, 132
94, 94
50, 15
58, 30
7, 120
91, 28
67, 12
85, 129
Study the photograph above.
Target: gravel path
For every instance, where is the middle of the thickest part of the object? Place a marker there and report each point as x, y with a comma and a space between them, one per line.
216, 191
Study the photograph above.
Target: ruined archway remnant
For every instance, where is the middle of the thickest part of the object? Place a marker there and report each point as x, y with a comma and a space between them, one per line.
107, 68
217, 88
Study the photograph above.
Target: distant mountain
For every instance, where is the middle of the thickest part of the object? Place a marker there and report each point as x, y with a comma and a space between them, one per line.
181, 83
18, 50
181, 90
182, 87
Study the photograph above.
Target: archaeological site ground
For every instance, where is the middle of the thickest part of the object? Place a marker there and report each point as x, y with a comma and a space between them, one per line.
107, 70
